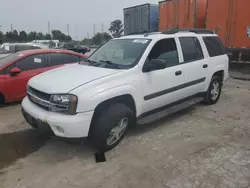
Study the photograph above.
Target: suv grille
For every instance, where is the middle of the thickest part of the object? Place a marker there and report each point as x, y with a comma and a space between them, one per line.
38, 94
39, 98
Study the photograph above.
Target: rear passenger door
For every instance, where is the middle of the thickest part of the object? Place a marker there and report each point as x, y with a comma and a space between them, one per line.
218, 57
195, 67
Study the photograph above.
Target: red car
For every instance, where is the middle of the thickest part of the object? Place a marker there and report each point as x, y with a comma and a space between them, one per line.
16, 69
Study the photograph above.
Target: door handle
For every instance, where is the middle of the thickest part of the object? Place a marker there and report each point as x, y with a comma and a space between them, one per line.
205, 66
177, 73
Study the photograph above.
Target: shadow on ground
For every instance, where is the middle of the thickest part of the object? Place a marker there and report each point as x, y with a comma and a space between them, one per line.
10, 104
18, 144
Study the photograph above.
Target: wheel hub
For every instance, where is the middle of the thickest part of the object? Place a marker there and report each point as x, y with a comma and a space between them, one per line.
215, 90
117, 132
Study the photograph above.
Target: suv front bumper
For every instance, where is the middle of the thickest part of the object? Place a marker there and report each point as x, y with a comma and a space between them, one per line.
68, 126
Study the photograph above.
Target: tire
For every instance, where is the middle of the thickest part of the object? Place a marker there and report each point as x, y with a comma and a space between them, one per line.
100, 134
1, 99
212, 97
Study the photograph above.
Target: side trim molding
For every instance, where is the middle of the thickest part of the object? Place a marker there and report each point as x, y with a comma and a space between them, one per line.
170, 90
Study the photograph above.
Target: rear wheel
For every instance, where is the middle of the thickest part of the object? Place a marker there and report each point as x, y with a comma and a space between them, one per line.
214, 91
110, 126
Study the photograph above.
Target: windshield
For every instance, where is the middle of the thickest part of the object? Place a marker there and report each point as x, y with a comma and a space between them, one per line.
8, 59
120, 53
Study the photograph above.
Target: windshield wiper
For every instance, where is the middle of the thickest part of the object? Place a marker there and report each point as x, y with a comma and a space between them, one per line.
110, 63
90, 61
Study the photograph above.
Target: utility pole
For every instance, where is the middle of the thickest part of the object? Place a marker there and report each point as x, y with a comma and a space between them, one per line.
11, 27
48, 27
94, 29
68, 29
102, 28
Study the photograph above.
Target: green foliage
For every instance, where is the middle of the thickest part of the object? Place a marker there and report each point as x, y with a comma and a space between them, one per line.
58, 35
22, 36
1, 36
98, 39
116, 28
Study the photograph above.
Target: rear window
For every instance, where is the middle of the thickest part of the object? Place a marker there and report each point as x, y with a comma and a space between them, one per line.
214, 46
7, 59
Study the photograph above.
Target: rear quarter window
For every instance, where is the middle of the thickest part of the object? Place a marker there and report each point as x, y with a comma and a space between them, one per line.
214, 46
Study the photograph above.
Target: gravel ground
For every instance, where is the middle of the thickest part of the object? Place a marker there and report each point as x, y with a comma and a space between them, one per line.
205, 146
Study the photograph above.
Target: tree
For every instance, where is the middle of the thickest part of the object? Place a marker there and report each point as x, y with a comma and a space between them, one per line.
116, 28
100, 38
40, 36
1, 37
58, 35
23, 36
32, 36
47, 37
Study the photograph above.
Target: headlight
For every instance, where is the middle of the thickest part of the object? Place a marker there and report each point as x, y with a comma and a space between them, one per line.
63, 103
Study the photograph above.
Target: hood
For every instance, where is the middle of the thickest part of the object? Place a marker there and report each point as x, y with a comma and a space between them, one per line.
67, 78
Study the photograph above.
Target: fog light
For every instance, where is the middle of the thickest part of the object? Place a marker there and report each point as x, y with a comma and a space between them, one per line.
59, 129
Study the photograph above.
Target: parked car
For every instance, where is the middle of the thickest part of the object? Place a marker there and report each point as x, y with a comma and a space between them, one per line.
74, 47
9, 48
16, 69
128, 80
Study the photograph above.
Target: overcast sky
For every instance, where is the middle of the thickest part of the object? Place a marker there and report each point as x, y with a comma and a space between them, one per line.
81, 15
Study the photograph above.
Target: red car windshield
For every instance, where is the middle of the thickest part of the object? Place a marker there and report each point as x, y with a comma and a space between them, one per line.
5, 60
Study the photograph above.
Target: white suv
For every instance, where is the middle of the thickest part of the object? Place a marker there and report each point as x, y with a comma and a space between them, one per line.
130, 80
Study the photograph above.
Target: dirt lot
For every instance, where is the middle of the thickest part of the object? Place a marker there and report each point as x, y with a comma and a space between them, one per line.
206, 146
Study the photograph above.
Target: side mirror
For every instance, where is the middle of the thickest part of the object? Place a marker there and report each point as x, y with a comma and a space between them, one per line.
154, 64
14, 71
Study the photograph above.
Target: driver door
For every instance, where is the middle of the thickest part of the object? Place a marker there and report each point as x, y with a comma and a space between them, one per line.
15, 85
162, 87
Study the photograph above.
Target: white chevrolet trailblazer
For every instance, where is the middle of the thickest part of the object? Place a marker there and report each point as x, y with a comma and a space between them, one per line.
130, 80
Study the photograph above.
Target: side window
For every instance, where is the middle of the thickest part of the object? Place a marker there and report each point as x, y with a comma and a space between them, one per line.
60, 59
68, 58
191, 49
55, 59
31, 62
165, 49
214, 46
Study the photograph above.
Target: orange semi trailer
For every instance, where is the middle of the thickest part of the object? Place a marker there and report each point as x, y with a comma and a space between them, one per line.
231, 21
182, 14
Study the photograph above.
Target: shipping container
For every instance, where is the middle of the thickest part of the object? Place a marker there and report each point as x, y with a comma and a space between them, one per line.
231, 23
141, 18
182, 14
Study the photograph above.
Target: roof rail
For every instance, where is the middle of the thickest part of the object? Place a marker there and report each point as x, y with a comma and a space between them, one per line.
194, 30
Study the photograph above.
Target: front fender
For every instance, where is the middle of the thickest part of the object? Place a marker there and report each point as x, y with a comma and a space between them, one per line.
110, 93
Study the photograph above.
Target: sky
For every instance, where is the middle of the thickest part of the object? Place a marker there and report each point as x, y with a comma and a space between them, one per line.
81, 15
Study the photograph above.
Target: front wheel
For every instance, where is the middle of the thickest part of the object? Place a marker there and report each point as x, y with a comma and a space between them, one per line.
110, 126
214, 91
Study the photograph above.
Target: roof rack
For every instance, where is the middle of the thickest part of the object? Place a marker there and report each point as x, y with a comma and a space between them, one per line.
193, 30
